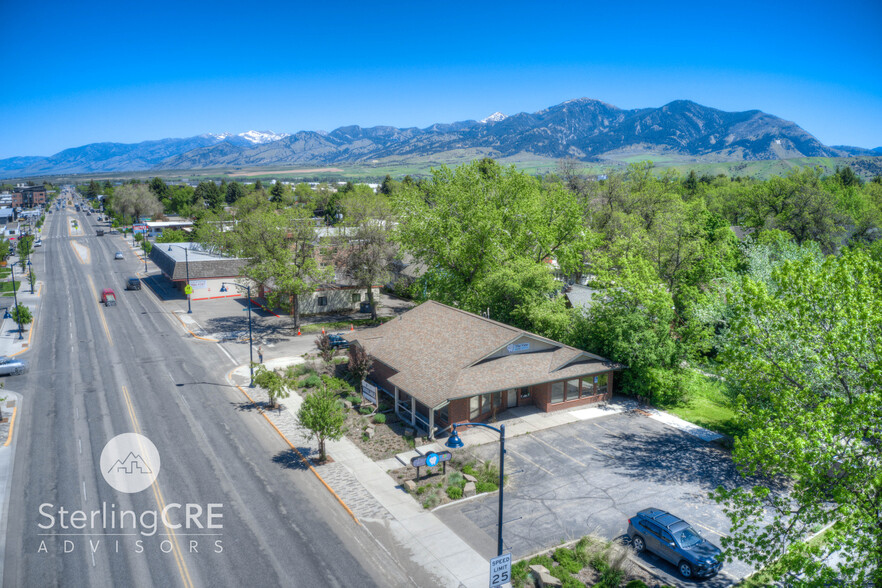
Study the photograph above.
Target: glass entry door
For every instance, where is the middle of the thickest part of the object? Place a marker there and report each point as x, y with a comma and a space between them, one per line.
511, 398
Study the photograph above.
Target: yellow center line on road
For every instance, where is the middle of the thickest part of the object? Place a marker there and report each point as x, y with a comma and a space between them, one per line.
160, 500
100, 311
559, 451
528, 460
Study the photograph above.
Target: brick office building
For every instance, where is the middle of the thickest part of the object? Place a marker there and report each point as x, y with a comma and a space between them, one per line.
443, 365
29, 196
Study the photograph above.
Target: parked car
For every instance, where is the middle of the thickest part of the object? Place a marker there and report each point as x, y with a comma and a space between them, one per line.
337, 341
133, 284
108, 297
10, 366
673, 539
38, 243
118, 255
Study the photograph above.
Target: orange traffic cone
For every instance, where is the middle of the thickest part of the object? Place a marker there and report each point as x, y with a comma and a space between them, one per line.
351, 327
323, 330
298, 331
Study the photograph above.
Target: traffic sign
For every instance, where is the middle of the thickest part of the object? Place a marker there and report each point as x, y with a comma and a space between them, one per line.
500, 570
188, 289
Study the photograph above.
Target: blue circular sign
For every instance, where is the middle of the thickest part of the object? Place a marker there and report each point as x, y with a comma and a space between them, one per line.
431, 459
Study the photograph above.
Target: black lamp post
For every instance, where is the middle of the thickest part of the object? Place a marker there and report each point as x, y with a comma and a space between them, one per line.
454, 442
30, 276
187, 263
250, 337
15, 297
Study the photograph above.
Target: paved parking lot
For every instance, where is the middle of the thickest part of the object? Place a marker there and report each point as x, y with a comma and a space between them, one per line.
589, 477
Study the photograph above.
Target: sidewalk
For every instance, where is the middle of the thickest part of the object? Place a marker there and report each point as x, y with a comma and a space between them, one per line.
371, 494
12, 402
10, 343
527, 419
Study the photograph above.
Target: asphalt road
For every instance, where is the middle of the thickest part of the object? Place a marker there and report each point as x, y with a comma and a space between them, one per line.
98, 372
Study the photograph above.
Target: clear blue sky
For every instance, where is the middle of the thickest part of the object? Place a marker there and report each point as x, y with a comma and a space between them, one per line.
83, 72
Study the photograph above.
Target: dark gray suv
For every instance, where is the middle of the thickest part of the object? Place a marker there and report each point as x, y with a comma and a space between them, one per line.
673, 539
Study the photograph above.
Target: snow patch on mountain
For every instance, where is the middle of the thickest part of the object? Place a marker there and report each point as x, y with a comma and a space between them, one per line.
495, 117
261, 137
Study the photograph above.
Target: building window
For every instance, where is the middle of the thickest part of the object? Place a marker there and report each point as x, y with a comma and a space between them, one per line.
525, 393
572, 389
602, 380
587, 387
557, 392
356, 297
323, 301
485, 403
474, 406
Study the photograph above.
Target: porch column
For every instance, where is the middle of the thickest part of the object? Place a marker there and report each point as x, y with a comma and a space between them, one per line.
413, 412
396, 403
432, 424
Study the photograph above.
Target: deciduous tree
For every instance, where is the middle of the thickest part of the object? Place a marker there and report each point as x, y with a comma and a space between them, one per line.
322, 416
804, 352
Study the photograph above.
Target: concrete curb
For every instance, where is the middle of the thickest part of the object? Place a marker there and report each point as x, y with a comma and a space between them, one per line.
7, 453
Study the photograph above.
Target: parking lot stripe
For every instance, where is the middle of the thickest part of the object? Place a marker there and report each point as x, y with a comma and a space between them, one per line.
528, 460
559, 451
594, 447
605, 429
715, 532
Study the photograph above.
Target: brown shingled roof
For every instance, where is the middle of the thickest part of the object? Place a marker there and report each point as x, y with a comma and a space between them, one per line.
441, 353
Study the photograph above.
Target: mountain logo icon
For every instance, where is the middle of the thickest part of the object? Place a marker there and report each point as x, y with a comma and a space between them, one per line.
130, 462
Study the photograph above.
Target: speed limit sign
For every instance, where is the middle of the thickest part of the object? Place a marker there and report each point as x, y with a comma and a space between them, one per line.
500, 570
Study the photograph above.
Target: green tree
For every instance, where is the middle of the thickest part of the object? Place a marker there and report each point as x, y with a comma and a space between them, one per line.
135, 201
303, 193
326, 349
277, 192
279, 246
803, 351
235, 190
465, 223
322, 416
5, 249
275, 385
365, 249
159, 188
171, 236
22, 315
25, 247
211, 194
632, 321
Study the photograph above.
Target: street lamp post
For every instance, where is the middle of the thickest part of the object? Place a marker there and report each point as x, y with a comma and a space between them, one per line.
15, 297
454, 442
187, 263
250, 336
30, 276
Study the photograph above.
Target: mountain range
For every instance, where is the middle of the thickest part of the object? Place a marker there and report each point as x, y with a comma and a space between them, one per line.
584, 129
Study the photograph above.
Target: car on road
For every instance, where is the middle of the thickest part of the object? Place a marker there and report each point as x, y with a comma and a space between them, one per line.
10, 366
38, 243
674, 540
118, 255
133, 284
108, 297
338, 342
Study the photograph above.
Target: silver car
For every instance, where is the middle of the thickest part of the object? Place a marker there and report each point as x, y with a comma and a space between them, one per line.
11, 366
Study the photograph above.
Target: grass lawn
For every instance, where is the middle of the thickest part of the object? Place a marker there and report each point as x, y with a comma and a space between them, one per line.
708, 406
7, 286
338, 325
